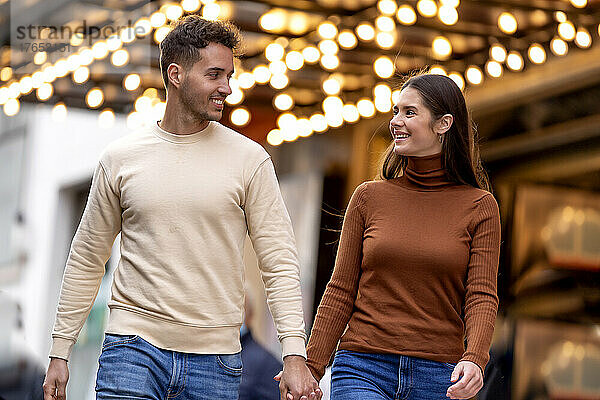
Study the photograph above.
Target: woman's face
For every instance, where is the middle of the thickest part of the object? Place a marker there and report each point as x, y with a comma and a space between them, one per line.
411, 126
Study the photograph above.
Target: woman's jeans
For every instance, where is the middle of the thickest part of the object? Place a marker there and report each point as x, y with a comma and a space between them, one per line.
131, 368
362, 376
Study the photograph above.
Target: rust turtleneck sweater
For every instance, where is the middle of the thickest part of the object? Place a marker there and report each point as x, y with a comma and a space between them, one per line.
415, 272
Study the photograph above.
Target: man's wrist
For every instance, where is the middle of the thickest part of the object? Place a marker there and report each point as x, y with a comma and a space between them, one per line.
293, 358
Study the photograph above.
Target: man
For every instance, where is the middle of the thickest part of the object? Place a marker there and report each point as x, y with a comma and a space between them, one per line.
183, 193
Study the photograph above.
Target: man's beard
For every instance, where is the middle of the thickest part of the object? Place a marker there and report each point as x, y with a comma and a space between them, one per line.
191, 105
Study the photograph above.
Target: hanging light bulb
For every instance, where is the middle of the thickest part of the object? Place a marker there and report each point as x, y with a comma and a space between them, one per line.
384, 67
347, 40
507, 23
387, 7
318, 122
240, 116
59, 112
441, 47
366, 108
274, 52
558, 46
583, 38
566, 30
514, 61
261, 74
498, 53
448, 15
94, 98
406, 15
132, 82
474, 75
493, 69
327, 30
283, 102
274, 137
427, 8
536, 53
365, 31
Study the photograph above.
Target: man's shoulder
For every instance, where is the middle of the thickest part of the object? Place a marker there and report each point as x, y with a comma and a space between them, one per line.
240, 142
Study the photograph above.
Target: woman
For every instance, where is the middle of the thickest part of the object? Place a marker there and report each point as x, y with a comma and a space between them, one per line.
415, 273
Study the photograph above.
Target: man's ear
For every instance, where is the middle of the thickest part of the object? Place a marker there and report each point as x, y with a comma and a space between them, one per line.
443, 124
175, 74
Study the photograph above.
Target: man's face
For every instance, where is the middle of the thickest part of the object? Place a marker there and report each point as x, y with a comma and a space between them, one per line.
206, 84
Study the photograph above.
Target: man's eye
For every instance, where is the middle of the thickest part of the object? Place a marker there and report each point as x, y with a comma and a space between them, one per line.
410, 112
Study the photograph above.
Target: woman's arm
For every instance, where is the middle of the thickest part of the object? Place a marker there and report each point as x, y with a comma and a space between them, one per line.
337, 303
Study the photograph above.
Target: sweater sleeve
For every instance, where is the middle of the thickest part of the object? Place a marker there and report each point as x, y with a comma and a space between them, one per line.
85, 267
337, 303
481, 300
270, 230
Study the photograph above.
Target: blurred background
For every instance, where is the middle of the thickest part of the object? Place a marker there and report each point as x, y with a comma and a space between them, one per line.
315, 86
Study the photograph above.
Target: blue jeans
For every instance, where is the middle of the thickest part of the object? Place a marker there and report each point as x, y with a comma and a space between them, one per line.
362, 376
131, 368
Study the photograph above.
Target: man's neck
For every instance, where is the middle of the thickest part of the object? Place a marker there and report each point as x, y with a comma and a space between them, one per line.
180, 123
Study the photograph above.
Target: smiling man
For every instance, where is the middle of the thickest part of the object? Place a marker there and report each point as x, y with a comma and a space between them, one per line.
183, 193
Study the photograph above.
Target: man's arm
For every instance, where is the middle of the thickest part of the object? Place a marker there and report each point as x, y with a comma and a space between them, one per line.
90, 249
270, 230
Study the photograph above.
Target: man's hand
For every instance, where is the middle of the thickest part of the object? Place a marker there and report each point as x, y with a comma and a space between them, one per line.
296, 382
470, 383
55, 384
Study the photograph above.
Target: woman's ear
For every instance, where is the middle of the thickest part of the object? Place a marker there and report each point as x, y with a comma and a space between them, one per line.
443, 124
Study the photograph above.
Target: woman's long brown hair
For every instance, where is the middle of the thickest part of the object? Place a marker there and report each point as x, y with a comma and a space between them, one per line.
460, 150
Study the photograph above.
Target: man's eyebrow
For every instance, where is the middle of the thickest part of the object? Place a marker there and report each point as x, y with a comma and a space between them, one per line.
215, 69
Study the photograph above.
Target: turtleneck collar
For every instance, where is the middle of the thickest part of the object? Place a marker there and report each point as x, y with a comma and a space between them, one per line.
426, 172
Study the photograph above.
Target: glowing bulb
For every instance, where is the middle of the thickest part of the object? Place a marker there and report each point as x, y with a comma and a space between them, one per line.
507, 23
235, 97
240, 116
536, 53
161, 33
274, 137
441, 47
298, 23
583, 38
382, 91
560, 16
514, 61
211, 11
498, 53
76, 39
304, 127
334, 120
173, 12
566, 30
128, 35
347, 40
14, 90
385, 24
6, 73
113, 42
559, 47
458, 79
279, 81
100, 50
427, 8
294, 60
311, 54
332, 104
143, 26
330, 61
86, 56
318, 122
94, 98
278, 67
158, 19
437, 70
387, 7
61, 68
59, 112
119, 58
261, 74
48, 72
450, 3
286, 120
331, 86
44, 92
273, 21
37, 79
448, 15
246, 80
385, 40
106, 119
327, 30
11, 107
406, 15
328, 47
579, 3
384, 67
283, 102
493, 69
350, 113
26, 85
366, 108
81, 75
132, 82
274, 52
143, 104
40, 57
383, 104
396, 96
474, 75
365, 32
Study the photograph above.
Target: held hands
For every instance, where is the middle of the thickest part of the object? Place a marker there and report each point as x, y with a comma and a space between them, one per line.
296, 382
470, 383
55, 384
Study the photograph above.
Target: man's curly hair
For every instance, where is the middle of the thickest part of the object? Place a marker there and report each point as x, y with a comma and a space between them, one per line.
192, 33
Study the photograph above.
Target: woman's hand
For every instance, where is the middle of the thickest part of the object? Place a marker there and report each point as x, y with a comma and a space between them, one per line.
471, 381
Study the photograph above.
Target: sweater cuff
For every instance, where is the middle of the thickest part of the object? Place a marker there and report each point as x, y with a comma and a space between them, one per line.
476, 362
61, 348
293, 346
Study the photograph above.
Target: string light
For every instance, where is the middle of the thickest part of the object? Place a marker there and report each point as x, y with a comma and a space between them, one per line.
330, 61
274, 137
26, 85
384, 23
44, 92
583, 38
366, 108
81, 74
474, 75
498, 53
441, 47
536, 53
211, 11
384, 67
59, 112
347, 40
328, 47
113, 43
246, 80
427, 8
11, 107
385, 40
132, 82
458, 79
94, 98
560, 16
579, 3
406, 15
106, 119
350, 113
273, 21
274, 52
235, 97
437, 70
173, 12
311, 54
240, 116
304, 127
558, 46
318, 122
514, 61
119, 58
331, 86
387, 7
327, 30
507, 23
261, 74
100, 50
158, 19
161, 33
448, 15
450, 3
493, 69
283, 102
294, 60
279, 81
566, 30
278, 67
40, 57
365, 31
